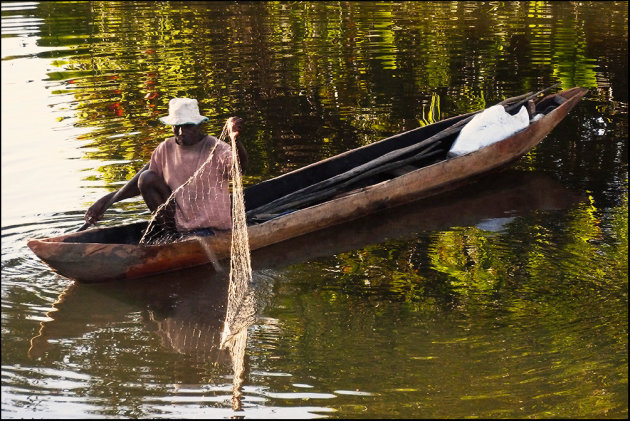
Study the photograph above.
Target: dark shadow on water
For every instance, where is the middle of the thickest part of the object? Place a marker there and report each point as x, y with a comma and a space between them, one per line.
172, 303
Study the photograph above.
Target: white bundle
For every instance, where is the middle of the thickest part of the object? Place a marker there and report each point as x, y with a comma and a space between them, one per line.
489, 126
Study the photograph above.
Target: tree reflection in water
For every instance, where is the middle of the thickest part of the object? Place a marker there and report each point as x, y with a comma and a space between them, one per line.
188, 309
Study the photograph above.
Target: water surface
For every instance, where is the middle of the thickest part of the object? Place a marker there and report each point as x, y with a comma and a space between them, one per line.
508, 298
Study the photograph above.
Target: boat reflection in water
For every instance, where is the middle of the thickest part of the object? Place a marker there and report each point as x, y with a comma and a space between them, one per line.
187, 308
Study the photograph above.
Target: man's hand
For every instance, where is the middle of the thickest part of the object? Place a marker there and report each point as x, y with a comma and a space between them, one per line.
235, 124
96, 211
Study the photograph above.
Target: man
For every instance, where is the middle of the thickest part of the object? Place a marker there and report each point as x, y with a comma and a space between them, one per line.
203, 204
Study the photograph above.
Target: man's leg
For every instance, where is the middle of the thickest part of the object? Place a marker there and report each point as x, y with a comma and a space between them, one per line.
156, 192
154, 189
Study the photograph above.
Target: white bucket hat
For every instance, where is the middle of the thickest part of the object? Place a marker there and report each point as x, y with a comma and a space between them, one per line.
183, 111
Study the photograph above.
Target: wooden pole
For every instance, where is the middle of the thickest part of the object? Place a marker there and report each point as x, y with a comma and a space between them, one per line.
317, 196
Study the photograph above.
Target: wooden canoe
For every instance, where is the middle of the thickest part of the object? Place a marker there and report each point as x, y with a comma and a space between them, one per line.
105, 254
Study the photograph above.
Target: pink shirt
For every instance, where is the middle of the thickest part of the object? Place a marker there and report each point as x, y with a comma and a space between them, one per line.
205, 201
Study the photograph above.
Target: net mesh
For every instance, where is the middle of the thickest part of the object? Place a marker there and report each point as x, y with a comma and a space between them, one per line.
203, 195
241, 306
197, 194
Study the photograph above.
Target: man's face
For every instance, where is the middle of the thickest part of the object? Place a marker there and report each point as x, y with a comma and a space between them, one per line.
186, 134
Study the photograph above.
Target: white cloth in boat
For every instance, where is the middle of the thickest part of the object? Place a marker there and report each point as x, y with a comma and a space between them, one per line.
205, 201
491, 125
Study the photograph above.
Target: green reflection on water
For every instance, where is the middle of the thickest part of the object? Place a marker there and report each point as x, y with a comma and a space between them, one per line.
530, 321
364, 67
527, 321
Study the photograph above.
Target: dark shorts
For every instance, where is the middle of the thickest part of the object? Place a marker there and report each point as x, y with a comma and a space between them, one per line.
199, 232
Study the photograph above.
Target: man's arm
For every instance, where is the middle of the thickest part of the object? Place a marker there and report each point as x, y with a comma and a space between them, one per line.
131, 189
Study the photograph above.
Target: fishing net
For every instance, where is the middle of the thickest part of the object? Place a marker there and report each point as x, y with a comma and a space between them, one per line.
196, 195
204, 196
241, 306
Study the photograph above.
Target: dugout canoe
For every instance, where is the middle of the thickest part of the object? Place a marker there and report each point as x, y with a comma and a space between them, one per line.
112, 253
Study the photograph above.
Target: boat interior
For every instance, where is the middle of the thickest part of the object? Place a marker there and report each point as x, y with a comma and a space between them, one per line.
260, 195
272, 189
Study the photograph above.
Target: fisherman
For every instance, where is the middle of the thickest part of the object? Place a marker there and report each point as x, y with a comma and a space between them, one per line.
173, 163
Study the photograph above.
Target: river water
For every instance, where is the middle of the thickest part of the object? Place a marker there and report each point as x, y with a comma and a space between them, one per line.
508, 298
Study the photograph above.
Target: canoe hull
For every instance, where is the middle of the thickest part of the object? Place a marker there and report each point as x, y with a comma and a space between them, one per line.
71, 256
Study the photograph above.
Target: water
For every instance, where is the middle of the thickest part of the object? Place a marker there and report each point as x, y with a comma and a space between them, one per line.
504, 299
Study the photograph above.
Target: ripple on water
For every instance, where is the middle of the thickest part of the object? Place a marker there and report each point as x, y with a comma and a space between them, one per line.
28, 390
505, 316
